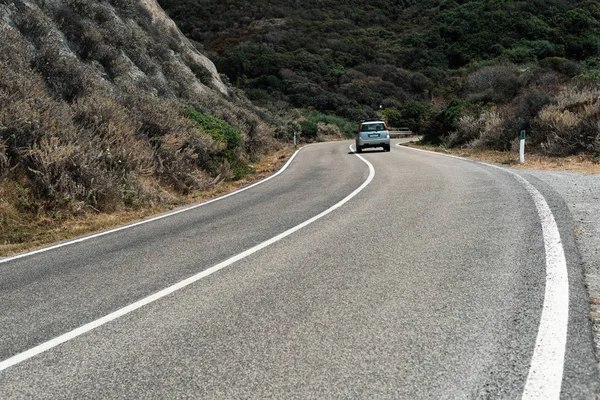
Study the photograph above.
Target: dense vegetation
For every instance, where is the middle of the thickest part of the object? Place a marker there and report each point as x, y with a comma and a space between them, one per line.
466, 72
103, 108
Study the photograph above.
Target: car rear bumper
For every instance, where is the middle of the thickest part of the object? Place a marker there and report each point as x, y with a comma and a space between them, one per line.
373, 143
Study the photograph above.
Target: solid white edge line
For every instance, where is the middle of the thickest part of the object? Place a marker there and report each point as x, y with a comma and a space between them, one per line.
95, 235
18, 358
544, 380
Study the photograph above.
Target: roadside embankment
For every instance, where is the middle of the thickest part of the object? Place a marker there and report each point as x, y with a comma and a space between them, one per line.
22, 231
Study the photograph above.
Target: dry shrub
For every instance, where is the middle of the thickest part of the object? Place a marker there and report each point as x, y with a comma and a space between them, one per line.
527, 105
176, 161
548, 80
498, 127
259, 134
180, 78
495, 84
4, 161
484, 131
78, 171
182, 155
326, 129
65, 76
259, 137
493, 134
519, 114
40, 140
27, 113
468, 128
101, 164
92, 102
102, 118
70, 173
571, 125
199, 71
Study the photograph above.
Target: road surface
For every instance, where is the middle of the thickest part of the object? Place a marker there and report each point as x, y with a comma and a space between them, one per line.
387, 275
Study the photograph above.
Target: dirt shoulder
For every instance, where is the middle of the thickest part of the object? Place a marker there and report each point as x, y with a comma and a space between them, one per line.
584, 163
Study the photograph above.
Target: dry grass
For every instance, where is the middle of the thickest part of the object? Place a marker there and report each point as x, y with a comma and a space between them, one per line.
581, 163
21, 231
47, 230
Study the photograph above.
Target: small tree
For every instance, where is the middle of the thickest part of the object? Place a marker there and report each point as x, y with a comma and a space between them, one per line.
392, 116
309, 129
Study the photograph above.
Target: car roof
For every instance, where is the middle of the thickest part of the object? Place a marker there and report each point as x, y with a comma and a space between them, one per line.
373, 122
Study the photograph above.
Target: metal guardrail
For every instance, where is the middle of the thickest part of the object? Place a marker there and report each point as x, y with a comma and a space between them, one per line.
398, 132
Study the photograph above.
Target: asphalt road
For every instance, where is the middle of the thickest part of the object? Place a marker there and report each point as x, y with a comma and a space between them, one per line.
428, 283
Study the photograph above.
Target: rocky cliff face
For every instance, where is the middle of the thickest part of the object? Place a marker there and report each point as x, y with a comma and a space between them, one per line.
120, 37
159, 17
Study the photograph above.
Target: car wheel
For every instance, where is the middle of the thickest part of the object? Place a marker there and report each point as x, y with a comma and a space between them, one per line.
386, 148
358, 149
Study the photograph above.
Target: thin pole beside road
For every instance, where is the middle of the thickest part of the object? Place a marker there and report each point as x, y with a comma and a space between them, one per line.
522, 148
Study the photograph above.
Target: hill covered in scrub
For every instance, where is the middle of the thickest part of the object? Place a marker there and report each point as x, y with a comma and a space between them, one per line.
106, 105
463, 73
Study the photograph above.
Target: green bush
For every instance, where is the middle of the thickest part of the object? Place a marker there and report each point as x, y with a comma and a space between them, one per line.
393, 117
591, 70
227, 163
350, 57
309, 129
314, 117
531, 50
561, 65
591, 75
442, 121
414, 114
216, 128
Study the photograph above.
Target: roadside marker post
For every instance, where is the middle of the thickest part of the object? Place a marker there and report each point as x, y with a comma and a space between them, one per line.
522, 148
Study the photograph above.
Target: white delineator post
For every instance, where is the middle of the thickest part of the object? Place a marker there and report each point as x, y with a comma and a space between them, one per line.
522, 148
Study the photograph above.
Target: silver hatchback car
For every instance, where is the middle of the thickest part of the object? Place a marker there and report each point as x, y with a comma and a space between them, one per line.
372, 134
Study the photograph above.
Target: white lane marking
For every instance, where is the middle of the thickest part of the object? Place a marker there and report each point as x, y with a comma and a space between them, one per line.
18, 358
545, 376
546, 371
70, 242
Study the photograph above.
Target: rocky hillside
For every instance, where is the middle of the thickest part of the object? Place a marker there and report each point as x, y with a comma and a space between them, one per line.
106, 105
464, 73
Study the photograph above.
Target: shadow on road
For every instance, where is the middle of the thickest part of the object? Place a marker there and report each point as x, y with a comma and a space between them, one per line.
367, 151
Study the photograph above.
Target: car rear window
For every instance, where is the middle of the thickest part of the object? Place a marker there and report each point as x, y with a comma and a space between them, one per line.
372, 127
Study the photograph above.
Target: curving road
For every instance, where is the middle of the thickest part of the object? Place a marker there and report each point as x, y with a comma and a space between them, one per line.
422, 276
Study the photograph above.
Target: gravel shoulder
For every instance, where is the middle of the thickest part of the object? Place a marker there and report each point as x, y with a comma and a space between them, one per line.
581, 192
